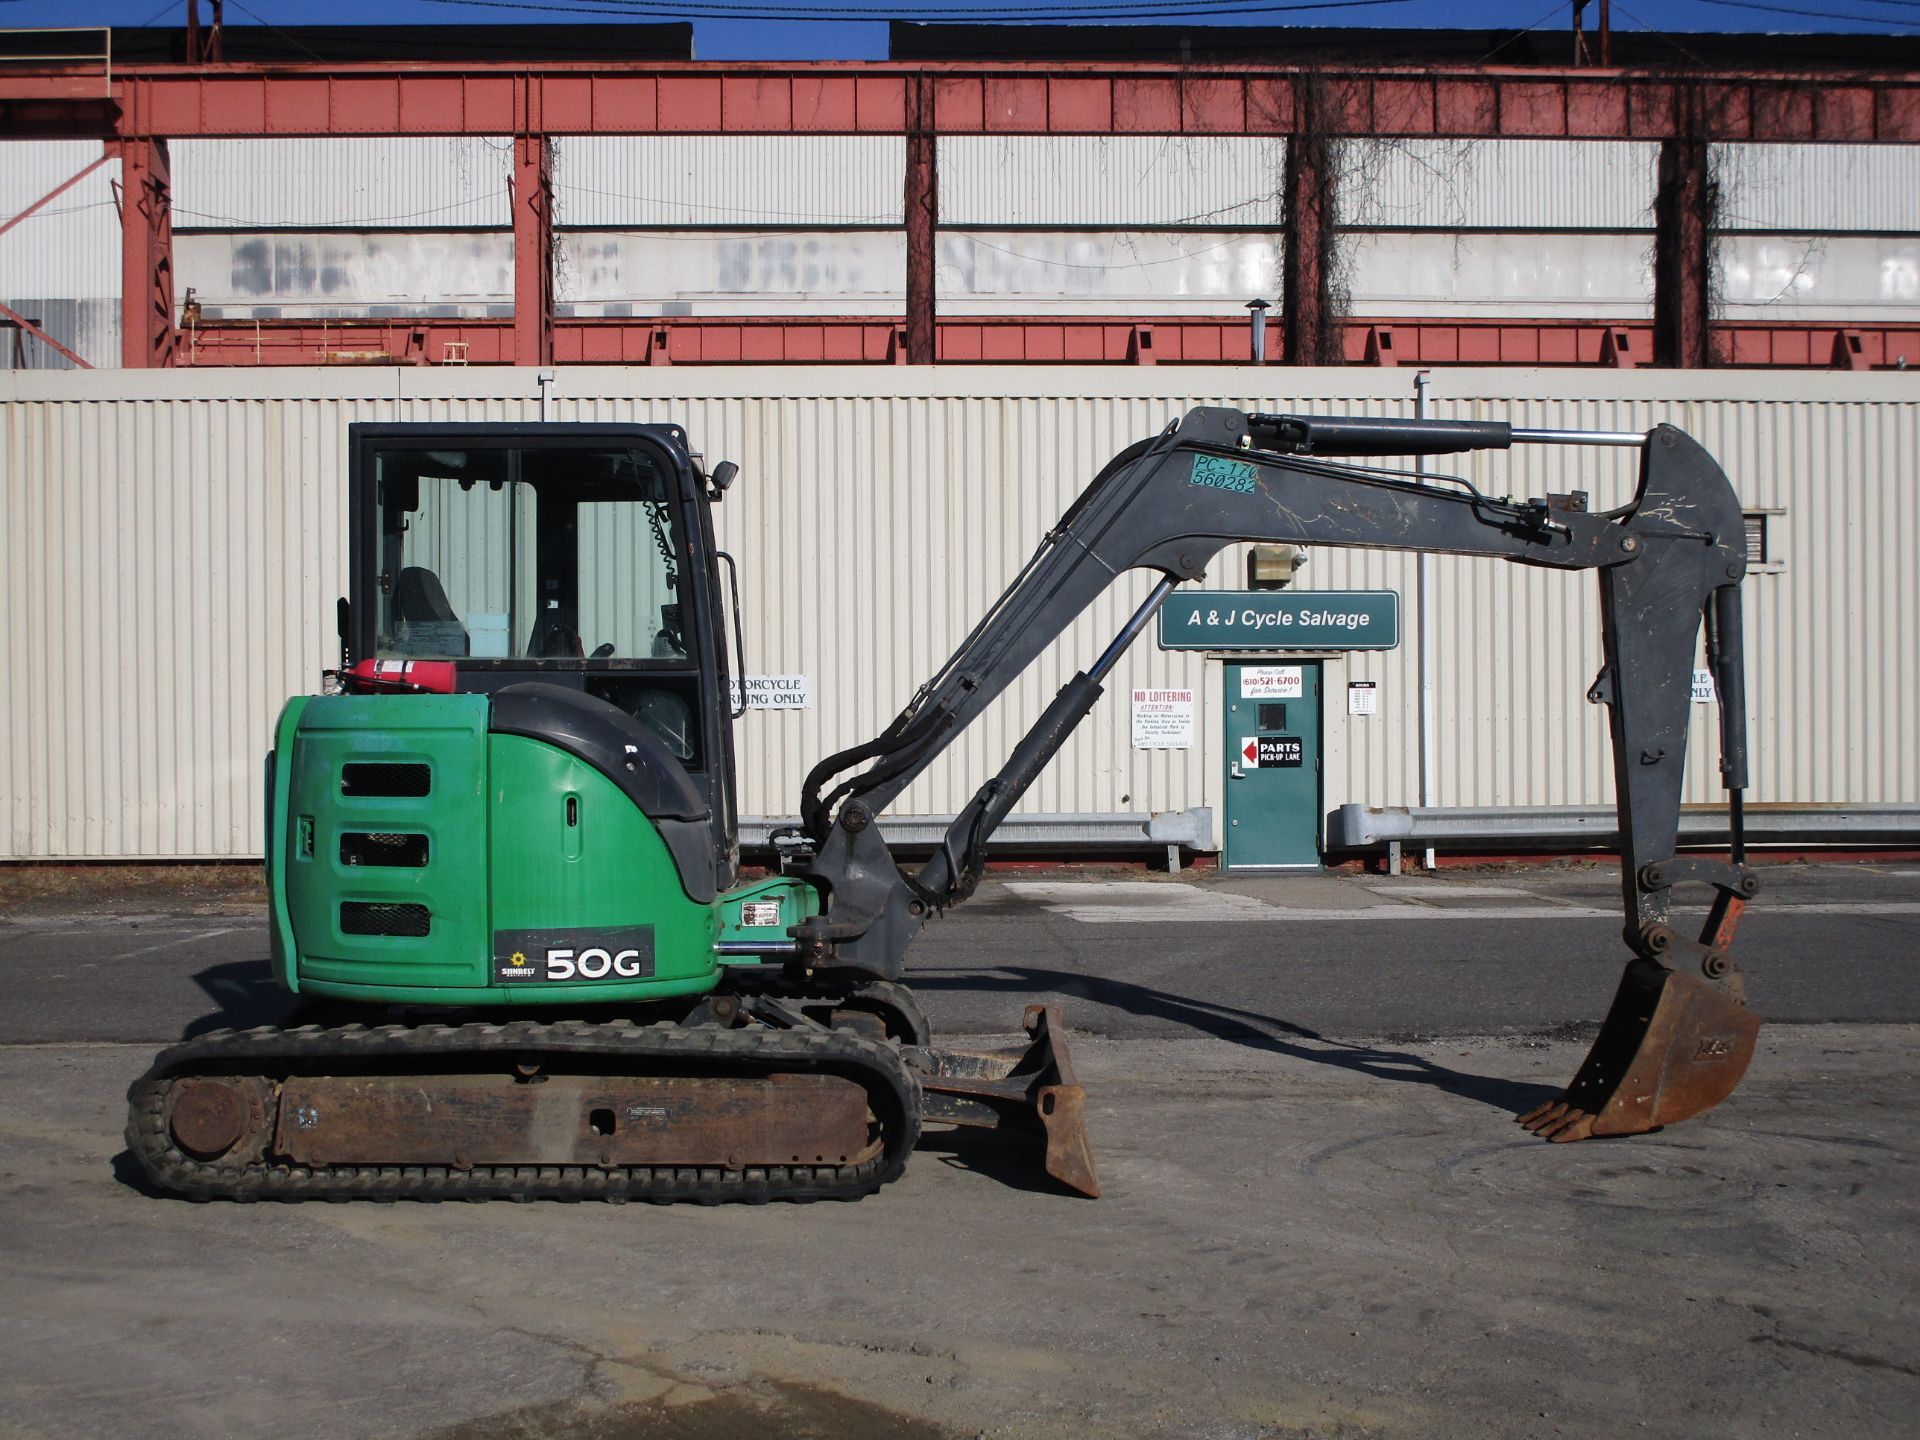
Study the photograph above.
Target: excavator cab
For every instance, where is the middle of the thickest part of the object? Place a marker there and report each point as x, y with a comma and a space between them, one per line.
546, 602
580, 556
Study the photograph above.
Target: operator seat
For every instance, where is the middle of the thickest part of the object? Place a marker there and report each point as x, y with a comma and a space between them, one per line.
423, 622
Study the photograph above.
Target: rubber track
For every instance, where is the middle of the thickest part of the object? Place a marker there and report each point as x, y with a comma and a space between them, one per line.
894, 1094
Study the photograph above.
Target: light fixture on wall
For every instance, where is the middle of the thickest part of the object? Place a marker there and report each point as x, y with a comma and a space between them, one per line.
1257, 318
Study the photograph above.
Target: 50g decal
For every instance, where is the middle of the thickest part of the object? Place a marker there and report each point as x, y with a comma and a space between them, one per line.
585, 954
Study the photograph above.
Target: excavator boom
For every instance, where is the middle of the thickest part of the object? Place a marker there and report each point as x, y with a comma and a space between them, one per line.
1679, 1035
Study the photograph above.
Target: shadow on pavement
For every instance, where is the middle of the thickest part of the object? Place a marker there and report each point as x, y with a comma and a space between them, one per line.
1006, 1157
244, 994
128, 1172
1249, 1028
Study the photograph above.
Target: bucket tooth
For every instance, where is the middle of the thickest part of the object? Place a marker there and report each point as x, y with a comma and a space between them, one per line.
1028, 1087
1672, 1046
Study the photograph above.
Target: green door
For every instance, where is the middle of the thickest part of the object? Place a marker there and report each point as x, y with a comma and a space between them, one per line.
1272, 717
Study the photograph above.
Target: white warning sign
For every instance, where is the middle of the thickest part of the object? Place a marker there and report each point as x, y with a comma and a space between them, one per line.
1703, 688
1163, 719
775, 692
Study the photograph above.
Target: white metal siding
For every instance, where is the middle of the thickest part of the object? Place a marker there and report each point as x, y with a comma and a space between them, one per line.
174, 542
71, 246
1865, 279
377, 182
1478, 275
1821, 189
638, 181
1112, 182
1499, 184
243, 274
61, 265
1104, 272
658, 272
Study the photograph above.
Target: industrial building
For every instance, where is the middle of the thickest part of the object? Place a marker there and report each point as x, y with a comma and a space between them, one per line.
921, 301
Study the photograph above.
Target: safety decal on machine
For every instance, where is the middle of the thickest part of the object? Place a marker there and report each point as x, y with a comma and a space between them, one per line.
756, 914
591, 952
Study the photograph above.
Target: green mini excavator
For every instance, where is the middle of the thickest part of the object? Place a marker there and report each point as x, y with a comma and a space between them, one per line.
504, 842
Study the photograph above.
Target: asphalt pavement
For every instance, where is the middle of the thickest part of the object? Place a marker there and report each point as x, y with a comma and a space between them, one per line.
1130, 955
1319, 1219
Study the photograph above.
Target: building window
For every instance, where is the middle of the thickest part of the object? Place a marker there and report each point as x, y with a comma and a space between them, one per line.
1764, 551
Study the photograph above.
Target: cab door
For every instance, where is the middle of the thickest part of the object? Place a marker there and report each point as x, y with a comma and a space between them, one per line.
1272, 718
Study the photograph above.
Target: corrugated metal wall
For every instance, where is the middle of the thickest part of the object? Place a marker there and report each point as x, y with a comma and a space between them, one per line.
174, 542
61, 265
1484, 228
249, 274
1500, 184
376, 182
1866, 279
642, 181
1574, 275
1818, 189
732, 272
1056, 225
1119, 181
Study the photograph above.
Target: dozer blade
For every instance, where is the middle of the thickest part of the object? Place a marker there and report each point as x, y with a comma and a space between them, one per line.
1028, 1087
1672, 1046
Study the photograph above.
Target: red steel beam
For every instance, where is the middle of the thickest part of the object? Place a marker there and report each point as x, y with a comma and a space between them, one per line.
420, 98
922, 221
147, 336
1682, 258
1018, 340
1307, 257
532, 250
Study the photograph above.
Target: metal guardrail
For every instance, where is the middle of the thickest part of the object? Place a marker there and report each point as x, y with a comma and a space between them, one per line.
1176, 830
1364, 827
103, 57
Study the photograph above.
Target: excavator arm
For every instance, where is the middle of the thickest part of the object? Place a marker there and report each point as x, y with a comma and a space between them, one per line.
1679, 1035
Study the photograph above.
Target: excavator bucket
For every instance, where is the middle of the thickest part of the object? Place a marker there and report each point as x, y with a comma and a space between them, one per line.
1028, 1087
1672, 1046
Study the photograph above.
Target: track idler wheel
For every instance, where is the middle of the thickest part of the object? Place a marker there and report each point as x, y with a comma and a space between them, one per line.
219, 1118
1672, 1046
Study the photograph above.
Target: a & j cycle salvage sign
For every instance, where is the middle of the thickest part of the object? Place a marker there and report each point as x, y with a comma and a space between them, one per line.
1281, 620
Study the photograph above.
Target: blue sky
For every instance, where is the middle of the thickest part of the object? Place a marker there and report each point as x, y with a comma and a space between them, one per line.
779, 39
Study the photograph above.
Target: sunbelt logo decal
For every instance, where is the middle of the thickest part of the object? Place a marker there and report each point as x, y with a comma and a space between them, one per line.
588, 953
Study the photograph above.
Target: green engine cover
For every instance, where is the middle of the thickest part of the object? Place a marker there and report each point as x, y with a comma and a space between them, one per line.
415, 858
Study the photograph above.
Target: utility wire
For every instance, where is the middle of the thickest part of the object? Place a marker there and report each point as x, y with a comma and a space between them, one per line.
847, 16
1815, 14
1551, 12
1672, 44
1111, 7
275, 29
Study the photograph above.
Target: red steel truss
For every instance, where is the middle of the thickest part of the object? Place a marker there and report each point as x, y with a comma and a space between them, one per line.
877, 340
137, 109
